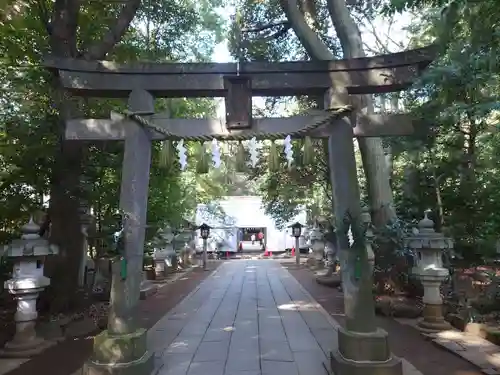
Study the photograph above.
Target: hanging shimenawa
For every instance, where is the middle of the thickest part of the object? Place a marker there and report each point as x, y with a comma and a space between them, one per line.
203, 164
241, 165
308, 152
273, 158
167, 155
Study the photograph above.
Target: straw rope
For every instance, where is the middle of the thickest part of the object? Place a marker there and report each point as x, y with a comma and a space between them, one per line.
240, 135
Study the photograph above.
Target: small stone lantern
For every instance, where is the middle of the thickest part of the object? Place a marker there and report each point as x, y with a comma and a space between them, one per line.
317, 247
164, 251
183, 240
428, 246
86, 221
25, 285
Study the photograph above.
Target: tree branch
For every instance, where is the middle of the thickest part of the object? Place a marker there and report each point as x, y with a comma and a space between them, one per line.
259, 28
43, 13
347, 30
380, 44
99, 50
277, 34
308, 38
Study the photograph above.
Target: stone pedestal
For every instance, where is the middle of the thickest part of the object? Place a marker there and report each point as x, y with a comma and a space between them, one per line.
315, 260
315, 263
311, 262
186, 260
172, 261
147, 287
331, 279
160, 269
163, 252
124, 354
364, 354
330, 276
25, 343
433, 319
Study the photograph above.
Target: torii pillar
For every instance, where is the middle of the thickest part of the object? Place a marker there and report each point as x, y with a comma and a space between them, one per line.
363, 348
122, 348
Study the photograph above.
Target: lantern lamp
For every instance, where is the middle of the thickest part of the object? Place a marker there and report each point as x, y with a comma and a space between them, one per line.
204, 230
296, 229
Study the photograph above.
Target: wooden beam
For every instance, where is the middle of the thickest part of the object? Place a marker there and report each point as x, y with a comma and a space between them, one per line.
418, 56
238, 102
116, 85
377, 125
377, 74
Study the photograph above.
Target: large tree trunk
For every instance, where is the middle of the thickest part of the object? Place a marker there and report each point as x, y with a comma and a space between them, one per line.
372, 152
65, 195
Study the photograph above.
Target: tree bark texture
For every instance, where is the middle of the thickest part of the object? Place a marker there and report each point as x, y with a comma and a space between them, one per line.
372, 151
69, 160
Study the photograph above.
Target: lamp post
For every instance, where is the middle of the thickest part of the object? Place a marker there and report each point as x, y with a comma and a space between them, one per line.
204, 232
296, 232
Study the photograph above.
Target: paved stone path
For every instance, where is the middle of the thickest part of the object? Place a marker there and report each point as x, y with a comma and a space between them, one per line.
251, 317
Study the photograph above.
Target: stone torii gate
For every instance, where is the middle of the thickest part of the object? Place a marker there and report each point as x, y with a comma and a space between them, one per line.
362, 347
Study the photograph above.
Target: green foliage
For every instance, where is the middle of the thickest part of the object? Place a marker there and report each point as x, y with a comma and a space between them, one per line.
161, 31
284, 192
451, 164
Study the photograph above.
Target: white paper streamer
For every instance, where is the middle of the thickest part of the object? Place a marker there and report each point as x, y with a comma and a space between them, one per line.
288, 150
215, 154
254, 153
181, 151
350, 236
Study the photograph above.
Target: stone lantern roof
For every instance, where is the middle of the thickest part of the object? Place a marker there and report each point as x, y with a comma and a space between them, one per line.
30, 244
425, 237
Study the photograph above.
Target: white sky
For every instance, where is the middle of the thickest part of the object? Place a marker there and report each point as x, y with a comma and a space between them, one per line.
391, 33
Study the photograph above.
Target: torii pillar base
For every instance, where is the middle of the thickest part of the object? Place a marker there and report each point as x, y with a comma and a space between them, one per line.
124, 354
364, 354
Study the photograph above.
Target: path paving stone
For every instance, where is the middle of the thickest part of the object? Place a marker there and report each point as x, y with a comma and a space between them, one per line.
249, 318
474, 349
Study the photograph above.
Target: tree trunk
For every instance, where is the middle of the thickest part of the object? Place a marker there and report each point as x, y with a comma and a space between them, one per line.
372, 152
65, 192
64, 196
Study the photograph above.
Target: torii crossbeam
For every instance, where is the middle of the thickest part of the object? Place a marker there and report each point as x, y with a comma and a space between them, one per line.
238, 84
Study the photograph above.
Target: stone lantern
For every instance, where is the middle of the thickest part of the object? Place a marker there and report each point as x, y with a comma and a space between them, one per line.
86, 221
317, 247
163, 252
428, 245
183, 240
26, 283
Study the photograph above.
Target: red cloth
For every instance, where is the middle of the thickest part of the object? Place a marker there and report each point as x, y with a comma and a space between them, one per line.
260, 235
